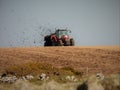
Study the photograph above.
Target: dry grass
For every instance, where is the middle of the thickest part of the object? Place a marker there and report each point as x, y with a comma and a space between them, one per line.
111, 82
36, 68
30, 68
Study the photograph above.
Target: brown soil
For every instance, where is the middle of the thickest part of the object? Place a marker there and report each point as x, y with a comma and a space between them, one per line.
105, 59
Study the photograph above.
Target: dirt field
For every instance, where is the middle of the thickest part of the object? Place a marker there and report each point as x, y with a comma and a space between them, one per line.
105, 59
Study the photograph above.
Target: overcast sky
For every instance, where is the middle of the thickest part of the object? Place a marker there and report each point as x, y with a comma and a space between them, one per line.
93, 22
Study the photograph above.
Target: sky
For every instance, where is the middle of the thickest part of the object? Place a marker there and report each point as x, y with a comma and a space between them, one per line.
92, 22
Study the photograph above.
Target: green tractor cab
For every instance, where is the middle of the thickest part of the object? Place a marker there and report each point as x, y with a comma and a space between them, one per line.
62, 32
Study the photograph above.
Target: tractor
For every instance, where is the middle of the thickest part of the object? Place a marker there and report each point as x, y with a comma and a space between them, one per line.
59, 38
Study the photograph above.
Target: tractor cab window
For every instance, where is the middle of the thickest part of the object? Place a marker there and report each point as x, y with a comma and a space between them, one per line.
61, 33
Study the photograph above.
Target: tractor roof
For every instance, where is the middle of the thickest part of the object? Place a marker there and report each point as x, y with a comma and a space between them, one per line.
62, 30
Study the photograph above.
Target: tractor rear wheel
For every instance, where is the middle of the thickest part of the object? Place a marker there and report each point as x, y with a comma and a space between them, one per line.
67, 43
53, 43
45, 44
72, 42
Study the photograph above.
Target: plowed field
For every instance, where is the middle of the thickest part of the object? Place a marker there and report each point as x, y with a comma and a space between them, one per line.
84, 59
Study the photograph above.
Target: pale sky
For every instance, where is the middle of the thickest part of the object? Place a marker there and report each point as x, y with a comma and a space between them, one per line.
92, 22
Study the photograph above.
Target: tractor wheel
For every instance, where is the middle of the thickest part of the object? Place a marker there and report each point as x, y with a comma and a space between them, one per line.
67, 43
45, 44
60, 43
52, 43
72, 42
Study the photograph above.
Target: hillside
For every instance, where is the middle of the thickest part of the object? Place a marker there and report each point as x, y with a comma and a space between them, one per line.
83, 59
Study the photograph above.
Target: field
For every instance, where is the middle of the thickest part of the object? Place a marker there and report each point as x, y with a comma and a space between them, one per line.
91, 59
82, 62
